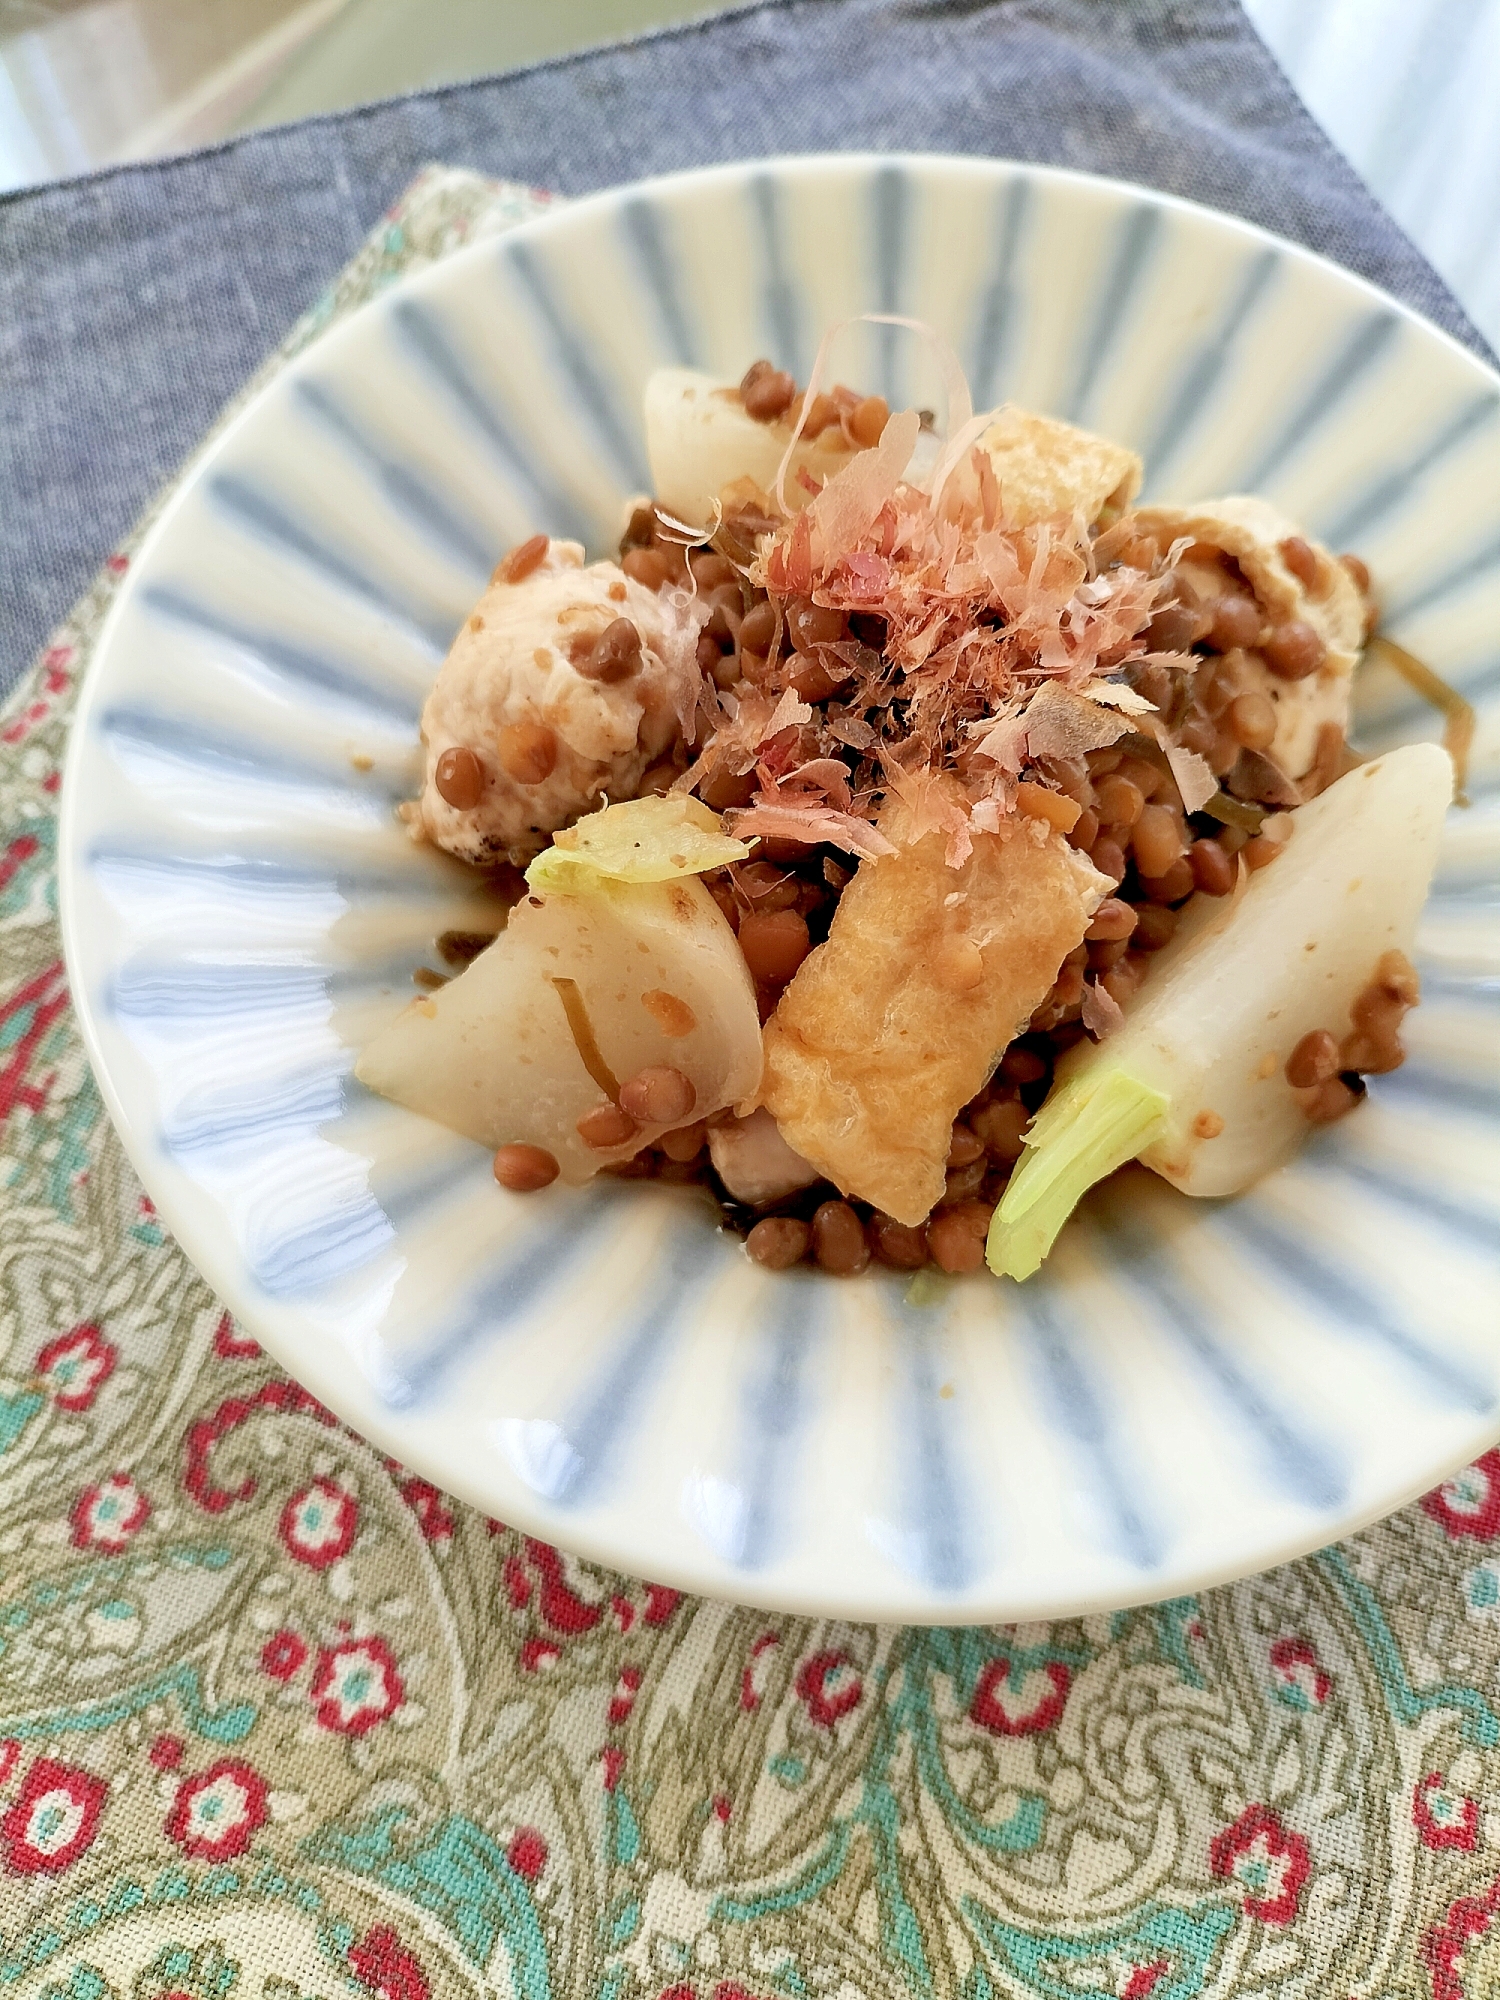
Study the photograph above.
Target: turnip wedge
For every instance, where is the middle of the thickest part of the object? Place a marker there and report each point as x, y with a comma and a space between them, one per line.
1194, 1084
701, 442
585, 988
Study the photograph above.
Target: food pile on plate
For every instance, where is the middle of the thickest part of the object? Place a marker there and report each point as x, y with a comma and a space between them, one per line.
903, 833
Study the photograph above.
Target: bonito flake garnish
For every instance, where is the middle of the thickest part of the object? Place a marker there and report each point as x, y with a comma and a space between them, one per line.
975, 648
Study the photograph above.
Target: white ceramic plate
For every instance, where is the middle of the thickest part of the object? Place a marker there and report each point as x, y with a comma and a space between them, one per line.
1190, 1391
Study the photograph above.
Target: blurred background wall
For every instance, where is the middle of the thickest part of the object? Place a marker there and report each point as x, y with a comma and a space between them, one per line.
1409, 89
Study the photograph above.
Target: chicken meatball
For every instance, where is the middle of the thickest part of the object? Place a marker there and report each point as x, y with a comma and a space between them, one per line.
562, 687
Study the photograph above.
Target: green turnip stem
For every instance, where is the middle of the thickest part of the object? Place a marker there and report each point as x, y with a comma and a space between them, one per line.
1082, 1133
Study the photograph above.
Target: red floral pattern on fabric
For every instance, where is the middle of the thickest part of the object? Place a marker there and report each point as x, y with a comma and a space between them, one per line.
1468, 1504
1269, 1862
231, 1345
382, 1963
527, 1852
216, 1814
1443, 1946
27, 1019
105, 1516
286, 1398
1024, 1702
828, 1687
1444, 1818
1299, 1669
76, 1365
282, 1655
319, 1523
357, 1684
54, 1819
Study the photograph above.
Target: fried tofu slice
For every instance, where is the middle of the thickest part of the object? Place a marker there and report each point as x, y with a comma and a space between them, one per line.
1045, 467
928, 974
1251, 532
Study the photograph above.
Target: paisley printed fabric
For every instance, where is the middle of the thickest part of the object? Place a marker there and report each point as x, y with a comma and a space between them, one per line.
279, 1719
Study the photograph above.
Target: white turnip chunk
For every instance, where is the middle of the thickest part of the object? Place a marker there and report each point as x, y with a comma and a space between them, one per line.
580, 992
700, 441
1194, 1083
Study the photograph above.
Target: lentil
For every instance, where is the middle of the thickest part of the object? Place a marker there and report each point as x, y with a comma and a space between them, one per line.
1122, 980
1113, 919
867, 420
459, 778
523, 559
810, 625
1252, 720
1260, 851
686, 1143
774, 944
964, 1182
605, 1126
711, 570
955, 1238
965, 1147
1301, 558
778, 1242
758, 628
1294, 650
647, 566
1085, 830
527, 751
658, 1095
767, 392
524, 1169
1001, 1127
822, 414
1237, 621
614, 655
1156, 841
1213, 871
1119, 802
838, 1240
897, 1243
1174, 885
1314, 1060
1330, 1101
1155, 927
1109, 858
1023, 1066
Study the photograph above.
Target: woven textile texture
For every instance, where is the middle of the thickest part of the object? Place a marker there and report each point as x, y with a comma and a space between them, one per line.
279, 1719
133, 304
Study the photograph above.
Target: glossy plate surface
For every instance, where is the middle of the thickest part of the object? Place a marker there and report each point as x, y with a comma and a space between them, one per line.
1191, 1390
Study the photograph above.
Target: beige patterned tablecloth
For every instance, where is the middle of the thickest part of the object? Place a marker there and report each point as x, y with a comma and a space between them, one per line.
278, 1719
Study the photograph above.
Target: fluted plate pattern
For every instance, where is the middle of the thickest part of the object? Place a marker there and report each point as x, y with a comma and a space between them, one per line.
1190, 1390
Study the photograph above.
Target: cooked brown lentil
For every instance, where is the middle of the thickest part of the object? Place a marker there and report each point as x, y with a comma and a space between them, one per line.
605, 1126
838, 1239
1313, 1061
778, 1242
524, 1169
522, 560
459, 778
658, 1095
527, 751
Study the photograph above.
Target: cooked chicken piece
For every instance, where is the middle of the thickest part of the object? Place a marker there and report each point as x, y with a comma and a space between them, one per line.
1253, 534
754, 1162
928, 974
537, 726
